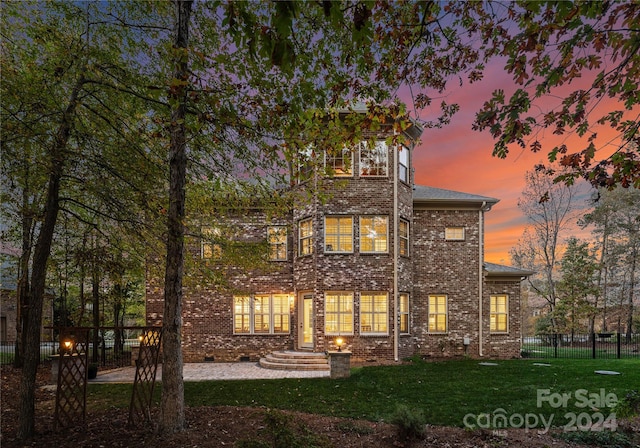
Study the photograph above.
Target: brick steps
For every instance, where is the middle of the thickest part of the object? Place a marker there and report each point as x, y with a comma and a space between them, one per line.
290, 360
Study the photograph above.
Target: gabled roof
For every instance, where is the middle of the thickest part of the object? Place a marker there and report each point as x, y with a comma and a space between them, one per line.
498, 270
431, 196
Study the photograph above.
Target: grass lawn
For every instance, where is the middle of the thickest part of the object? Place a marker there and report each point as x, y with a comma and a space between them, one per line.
444, 391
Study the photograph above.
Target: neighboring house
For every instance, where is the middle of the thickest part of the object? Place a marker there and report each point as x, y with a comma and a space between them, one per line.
394, 269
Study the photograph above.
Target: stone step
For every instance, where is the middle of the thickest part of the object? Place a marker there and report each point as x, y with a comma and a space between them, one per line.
289, 360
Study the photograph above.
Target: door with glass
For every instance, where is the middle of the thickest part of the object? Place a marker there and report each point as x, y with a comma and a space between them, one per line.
305, 319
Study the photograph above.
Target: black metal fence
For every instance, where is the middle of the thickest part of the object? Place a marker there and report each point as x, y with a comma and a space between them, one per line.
587, 346
110, 352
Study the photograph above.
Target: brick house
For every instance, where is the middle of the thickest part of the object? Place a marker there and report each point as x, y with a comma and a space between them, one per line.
392, 268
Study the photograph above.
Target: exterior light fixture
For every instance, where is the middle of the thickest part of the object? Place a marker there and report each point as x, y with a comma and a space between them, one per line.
339, 342
67, 344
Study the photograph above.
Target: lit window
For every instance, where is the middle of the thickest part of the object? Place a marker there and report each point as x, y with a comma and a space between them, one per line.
404, 313
498, 314
305, 237
374, 313
209, 249
339, 163
338, 234
374, 234
403, 234
277, 236
403, 164
373, 160
338, 313
262, 314
454, 233
437, 314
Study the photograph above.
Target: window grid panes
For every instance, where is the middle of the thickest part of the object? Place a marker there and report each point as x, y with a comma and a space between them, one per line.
241, 314
454, 233
403, 234
374, 234
374, 160
209, 249
281, 313
305, 237
277, 236
404, 313
374, 313
339, 163
338, 234
438, 314
498, 314
262, 314
338, 313
403, 164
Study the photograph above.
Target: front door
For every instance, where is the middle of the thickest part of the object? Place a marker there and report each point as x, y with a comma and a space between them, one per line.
305, 318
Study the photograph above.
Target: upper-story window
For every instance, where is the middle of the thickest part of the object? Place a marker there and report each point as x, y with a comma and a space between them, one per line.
454, 233
340, 162
403, 235
374, 234
304, 163
305, 237
210, 248
403, 164
277, 237
374, 160
338, 234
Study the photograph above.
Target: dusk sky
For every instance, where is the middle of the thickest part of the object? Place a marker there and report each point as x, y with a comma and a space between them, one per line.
458, 158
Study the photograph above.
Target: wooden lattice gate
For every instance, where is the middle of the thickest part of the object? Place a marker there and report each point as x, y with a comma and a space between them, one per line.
71, 392
144, 382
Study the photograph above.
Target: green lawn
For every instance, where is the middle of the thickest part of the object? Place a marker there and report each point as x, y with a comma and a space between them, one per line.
444, 391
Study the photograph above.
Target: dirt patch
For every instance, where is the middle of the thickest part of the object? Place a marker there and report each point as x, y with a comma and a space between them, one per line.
225, 426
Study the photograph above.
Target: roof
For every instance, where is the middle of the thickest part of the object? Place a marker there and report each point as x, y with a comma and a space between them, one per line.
423, 194
505, 271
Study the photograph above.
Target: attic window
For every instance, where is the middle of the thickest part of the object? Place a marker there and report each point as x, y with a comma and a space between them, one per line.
454, 233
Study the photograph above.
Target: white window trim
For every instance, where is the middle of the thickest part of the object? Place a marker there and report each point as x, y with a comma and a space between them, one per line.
363, 145
328, 168
339, 234
404, 313
271, 314
446, 297
400, 164
300, 238
455, 228
374, 333
386, 251
340, 333
406, 239
271, 245
506, 313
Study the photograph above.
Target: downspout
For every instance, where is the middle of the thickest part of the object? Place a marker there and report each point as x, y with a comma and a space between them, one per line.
480, 279
396, 330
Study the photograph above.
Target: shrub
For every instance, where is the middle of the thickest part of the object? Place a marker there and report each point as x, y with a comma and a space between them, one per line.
280, 434
629, 405
410, 422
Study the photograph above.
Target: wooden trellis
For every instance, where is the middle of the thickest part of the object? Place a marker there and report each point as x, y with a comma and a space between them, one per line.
144, 382
71, 392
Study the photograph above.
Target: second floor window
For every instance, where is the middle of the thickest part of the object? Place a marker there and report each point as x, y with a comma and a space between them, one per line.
210, 248
374, 159
339, 163
338, 234
454, 233
305, 237
277, 237
403, 235
374, 234
403, 164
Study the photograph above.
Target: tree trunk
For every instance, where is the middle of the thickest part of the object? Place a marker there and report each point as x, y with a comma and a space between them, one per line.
31, 349
172, 418
632, 286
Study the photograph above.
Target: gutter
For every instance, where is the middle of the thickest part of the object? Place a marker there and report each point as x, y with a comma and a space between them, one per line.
480, 280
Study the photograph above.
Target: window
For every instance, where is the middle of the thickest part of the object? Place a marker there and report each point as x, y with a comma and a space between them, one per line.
338, 313
403, 164
338, 234
498, 314
305, 163
339, 163
373, 161
403, 234
437, 314
374, 313
262, 314
404, 313
209, 249
305, 237
454, 233
374, 234
277, 236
